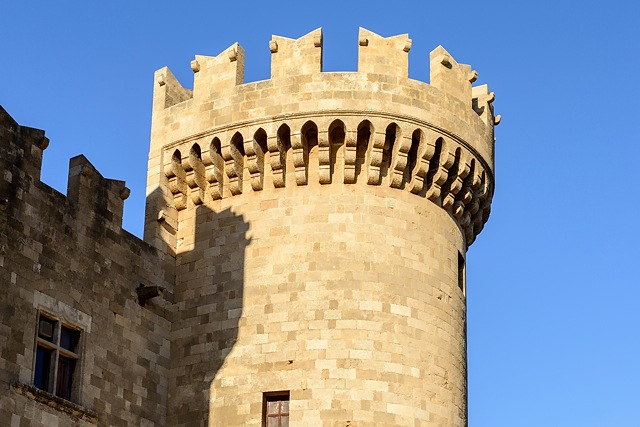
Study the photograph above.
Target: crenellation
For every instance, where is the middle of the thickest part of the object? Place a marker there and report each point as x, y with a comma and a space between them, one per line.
450, 77
383, 55
89, 190
294, 57
21, 159
213, 75
168, 91
483, 104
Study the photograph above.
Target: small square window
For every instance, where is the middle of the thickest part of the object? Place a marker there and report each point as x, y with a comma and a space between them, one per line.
56, 356
45, 328
275, 409
69, 338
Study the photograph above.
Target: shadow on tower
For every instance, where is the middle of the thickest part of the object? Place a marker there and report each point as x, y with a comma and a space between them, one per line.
208, 297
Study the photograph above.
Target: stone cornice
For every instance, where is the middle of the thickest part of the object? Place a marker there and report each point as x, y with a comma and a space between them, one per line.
336, 114
404, 153
72, 409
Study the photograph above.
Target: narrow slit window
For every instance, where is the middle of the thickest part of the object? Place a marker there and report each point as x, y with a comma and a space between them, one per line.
461, 273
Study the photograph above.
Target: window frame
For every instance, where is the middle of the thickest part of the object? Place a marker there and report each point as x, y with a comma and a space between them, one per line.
67, 390
276, 396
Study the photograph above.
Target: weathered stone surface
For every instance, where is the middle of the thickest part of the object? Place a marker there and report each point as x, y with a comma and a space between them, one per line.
69, 256
305, 233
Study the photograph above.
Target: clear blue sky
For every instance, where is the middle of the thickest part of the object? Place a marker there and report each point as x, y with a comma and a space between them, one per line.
553, 290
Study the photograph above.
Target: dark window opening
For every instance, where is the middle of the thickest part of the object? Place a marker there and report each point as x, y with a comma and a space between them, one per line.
43, 368
56, 357
69, 338
461, 273
66, 366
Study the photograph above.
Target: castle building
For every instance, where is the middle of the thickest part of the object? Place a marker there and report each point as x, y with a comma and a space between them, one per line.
303, 260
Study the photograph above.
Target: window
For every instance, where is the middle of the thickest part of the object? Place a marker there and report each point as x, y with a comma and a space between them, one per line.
275, 409
461, 274
56, 356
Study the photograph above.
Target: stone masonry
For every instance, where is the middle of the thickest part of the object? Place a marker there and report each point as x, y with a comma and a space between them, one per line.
304, 234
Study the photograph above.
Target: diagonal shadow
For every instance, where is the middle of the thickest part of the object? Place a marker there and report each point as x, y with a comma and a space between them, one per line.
208, 298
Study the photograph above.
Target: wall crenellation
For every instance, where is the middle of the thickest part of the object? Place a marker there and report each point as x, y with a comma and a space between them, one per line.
386, 56
86, 187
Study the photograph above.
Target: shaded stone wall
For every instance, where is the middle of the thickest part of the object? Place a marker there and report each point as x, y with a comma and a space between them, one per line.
70, 257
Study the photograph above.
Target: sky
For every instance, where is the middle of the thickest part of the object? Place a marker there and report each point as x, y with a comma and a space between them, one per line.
552, 290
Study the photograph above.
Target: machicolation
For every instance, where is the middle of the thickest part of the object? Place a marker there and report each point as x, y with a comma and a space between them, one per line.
375, 126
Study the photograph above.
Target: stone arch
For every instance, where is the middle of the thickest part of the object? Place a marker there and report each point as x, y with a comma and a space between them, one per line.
426, 151
278, 149
365, 130
175, 175
449, 188
194, 170
484, 204
388, 151
464, 197
214, 167
434, 165
234, 162
337, 134
176, 162
195, 151
412, 157
256, 150
309, 140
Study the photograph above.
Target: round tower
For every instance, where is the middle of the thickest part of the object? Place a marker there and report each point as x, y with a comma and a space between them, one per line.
316, 226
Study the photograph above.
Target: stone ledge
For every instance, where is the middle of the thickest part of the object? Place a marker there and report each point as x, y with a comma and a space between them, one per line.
55, 402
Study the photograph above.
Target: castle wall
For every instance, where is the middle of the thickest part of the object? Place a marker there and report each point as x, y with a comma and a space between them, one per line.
68, 257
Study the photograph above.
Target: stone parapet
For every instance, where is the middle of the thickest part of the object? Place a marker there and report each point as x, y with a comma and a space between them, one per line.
374, 126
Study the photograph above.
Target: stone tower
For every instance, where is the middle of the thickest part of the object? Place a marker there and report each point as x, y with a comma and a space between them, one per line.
314, 228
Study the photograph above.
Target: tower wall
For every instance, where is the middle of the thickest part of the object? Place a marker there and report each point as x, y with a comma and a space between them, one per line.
319, 223
350, 301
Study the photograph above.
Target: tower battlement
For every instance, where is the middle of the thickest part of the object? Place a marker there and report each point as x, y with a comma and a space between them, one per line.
87, 190
304, 126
